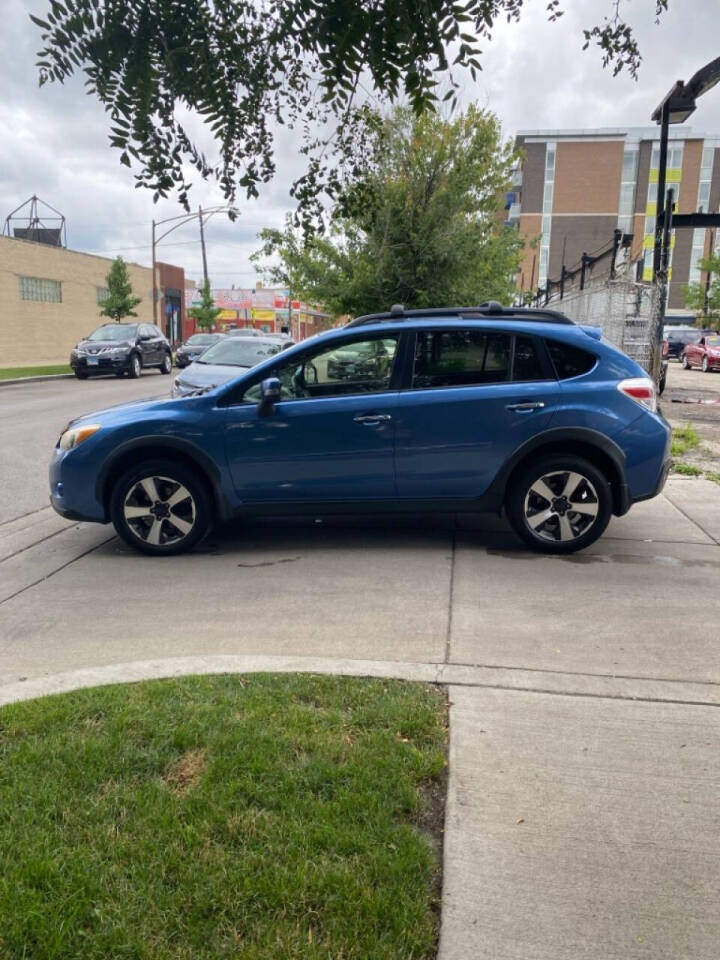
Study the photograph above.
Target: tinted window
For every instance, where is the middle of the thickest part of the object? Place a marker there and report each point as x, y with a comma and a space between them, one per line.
454, 358
569, 361
362, 366
527, 364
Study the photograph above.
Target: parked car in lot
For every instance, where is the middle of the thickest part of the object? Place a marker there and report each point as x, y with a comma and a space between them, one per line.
121, 348
704, 354
476, 409
243, 332
361, 359
679, 337
194, 347
222, 362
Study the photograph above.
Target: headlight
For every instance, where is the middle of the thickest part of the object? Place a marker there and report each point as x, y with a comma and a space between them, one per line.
119, 351
74, 436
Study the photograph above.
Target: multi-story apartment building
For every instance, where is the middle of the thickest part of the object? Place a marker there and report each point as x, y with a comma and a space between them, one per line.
575, 187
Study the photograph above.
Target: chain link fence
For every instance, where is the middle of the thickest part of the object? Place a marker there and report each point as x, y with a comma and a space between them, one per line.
627, 310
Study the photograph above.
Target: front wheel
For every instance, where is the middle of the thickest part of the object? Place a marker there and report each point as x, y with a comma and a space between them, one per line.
161, 507
81, 375
559, 504
685, 362
166, 365
135, 367
705, 365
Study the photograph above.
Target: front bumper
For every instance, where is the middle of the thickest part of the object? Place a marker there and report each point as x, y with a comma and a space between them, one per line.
72, 489
106, 363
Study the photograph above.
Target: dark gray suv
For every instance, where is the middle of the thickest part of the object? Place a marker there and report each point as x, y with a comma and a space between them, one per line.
121, 348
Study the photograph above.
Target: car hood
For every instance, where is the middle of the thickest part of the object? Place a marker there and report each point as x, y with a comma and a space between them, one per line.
206, 375
101, 344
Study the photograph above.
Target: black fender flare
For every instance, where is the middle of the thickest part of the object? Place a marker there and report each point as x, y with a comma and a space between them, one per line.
558, 435
155, 444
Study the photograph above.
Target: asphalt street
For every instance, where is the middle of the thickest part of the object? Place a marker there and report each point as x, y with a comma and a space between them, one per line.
32, 417
582, 817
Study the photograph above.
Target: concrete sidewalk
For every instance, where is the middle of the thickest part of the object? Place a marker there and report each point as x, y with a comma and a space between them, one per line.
582, 819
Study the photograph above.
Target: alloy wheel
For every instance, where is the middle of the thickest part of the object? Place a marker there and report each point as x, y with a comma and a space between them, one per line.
159, 511
561, 506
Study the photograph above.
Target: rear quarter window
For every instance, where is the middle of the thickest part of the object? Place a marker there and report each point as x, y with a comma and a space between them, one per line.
569, 361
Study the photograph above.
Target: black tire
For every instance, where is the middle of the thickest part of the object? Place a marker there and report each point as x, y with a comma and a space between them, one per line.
81, 375
705, 365
592, 492
685, 362
143, 530
166, 365
135, 366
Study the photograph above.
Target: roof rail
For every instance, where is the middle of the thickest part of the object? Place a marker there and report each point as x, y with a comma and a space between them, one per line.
490, 308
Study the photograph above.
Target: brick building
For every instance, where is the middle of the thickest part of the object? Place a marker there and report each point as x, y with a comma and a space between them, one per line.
51, 297
575, 187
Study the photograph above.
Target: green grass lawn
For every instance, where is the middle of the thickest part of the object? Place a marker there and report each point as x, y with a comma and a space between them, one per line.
10, 373
256, 817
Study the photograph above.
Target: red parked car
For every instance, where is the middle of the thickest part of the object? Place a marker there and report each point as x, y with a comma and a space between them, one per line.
705, 353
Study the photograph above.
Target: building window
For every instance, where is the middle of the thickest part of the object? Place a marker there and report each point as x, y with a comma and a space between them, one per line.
37, 288
627, 188
550, 151
102, 294
674, 176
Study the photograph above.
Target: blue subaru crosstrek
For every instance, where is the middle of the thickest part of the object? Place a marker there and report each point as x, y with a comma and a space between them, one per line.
472, 409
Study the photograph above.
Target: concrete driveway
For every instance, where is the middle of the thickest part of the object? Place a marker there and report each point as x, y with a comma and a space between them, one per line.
583, 817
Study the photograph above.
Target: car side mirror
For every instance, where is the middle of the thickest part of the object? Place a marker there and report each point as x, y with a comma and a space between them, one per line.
270, 393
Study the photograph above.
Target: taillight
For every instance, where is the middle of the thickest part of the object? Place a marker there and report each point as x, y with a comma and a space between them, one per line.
641, 390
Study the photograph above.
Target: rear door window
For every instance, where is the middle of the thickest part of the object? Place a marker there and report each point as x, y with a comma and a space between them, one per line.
527, 364
456, 358
569, 361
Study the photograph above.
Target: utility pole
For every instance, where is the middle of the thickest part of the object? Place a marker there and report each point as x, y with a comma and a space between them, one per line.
154, 271
706, 306
202, 244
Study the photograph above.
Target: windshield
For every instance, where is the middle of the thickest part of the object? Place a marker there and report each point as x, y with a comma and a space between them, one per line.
712, 341
200, 338
239, 353
115, 331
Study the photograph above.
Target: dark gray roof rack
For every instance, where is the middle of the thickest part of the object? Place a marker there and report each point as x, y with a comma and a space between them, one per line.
490, 308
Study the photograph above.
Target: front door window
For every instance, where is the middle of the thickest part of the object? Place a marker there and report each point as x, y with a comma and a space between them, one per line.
358, 367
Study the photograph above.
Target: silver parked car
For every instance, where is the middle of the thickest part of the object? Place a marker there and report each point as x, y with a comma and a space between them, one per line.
222, 362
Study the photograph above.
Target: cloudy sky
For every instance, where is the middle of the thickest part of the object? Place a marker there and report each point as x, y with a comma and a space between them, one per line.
535, 75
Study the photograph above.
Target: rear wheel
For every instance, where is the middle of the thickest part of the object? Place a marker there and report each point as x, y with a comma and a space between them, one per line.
135, 367
161, 507
559, 504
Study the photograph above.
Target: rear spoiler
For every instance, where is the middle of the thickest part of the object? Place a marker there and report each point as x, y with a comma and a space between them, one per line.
594, 332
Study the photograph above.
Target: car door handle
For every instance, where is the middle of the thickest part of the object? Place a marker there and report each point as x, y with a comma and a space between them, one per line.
526, 407
372, 418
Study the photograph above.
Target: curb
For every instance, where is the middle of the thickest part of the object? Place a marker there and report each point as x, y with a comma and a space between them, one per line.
49, 376
539, 682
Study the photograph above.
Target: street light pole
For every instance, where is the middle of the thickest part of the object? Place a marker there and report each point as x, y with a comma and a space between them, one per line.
202, 244
179, 222
154, 277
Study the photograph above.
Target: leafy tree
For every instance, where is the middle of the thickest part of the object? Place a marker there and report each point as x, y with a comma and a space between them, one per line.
243, 66
422, 226
696, 297
120, 302
207, 313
